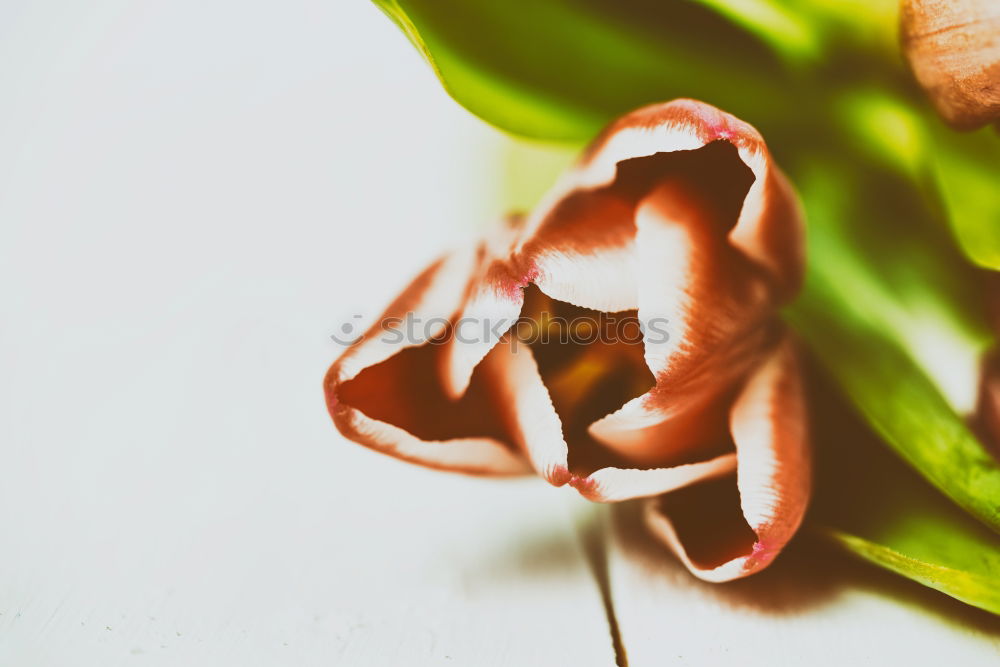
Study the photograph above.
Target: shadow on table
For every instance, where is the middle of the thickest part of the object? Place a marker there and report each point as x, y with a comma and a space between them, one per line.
858, 480
808, 575
859, 484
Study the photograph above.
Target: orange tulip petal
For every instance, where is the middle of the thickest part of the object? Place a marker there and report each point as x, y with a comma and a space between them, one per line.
388, 394
730, 528
535, 426
527, 409
613, 484
492, 308
768, 226
582, 252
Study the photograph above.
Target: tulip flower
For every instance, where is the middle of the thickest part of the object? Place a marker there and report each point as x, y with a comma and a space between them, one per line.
954, 50
674, 223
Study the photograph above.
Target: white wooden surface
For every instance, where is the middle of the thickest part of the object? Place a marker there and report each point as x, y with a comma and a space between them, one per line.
193, 196
810, 607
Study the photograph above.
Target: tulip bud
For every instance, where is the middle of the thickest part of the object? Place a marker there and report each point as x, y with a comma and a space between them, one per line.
668, 249
987, 416
953, 47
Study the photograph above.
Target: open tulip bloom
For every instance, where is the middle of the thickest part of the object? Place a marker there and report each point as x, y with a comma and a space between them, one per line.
621, 339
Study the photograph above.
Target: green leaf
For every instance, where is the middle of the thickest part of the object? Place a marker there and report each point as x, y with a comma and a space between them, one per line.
967, 168
869, 504
888, 308
560, 69
901, 403
806, 31
966, 567
962, 168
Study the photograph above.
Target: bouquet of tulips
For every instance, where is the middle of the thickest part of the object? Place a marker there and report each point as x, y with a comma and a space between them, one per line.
762, 299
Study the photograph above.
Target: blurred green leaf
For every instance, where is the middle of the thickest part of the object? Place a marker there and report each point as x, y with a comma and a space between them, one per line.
869, 504
790, 31
889, 307
560, 69
900, 402
967, 168
963, 168
807, 30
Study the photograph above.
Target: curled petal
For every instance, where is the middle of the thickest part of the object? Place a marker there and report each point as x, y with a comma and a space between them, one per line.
729, 528
475, 456
702, 292
431, 297
767, 227
386, 390
493, 306
641, 434
685, 413
527, 409
613, 484
535, 427
583, 251
954, 50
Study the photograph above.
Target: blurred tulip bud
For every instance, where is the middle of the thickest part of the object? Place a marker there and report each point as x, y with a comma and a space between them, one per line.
954, 49
988, 411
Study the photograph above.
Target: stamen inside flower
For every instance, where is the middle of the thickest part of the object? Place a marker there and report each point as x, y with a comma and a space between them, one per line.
591, 376
591, 362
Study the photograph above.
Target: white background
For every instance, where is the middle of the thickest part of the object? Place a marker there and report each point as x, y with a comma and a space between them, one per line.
193, 196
